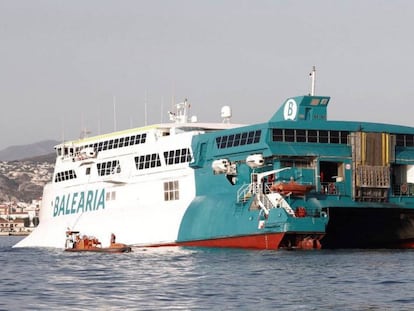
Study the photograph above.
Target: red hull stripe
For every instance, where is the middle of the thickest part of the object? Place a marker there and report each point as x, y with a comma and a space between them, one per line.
406, 244
259, 241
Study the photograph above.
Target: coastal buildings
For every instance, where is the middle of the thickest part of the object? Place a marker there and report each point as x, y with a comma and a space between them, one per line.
19, 218
21, 186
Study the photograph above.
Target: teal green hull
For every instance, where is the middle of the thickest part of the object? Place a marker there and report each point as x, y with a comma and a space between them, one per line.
214, 218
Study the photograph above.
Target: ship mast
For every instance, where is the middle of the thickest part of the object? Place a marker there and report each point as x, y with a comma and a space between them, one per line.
313, 77
181, 112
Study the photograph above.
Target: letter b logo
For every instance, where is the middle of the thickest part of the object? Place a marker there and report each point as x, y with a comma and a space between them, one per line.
290, 110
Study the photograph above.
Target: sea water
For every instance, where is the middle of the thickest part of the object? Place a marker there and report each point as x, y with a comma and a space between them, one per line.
205, 279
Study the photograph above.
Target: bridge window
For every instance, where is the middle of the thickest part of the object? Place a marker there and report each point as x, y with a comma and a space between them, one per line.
289, 135
310, 136
407, 141
334, 137
323, 137
236, 140
239, 139
301, 136
277, 135
404, 140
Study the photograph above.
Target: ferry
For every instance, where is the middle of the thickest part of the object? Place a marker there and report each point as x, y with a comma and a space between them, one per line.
298, 180
182, 183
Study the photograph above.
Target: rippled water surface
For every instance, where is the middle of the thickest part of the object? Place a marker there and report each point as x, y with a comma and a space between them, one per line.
205, 279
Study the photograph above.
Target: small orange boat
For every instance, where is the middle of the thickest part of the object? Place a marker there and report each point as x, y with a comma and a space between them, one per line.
76, 243
292, 188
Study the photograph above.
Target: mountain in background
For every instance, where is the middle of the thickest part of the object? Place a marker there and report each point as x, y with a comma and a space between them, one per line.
22, 152
24, 170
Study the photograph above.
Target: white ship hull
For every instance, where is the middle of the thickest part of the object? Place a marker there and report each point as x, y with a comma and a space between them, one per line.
137, 215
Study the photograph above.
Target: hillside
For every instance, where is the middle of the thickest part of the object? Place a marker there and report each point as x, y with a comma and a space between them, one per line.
23, 178
23, 181
20, 152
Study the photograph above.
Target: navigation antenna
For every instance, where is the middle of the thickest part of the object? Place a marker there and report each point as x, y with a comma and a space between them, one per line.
313, 77
181, 112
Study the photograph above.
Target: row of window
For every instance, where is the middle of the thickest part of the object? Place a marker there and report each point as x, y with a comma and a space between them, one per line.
108, 168
177, 156
141, 162
171, 157
66, 175
147, 161
239, 139
105, 145
121, 142
328, 137
405, 140
310, 136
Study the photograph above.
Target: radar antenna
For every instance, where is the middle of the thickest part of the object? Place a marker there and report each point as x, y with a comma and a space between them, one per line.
226, 114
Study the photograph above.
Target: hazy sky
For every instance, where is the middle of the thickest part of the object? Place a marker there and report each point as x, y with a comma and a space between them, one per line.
62, 63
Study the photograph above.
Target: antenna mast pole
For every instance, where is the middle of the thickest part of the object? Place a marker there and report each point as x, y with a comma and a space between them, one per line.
145, 109
114, 103
313, 77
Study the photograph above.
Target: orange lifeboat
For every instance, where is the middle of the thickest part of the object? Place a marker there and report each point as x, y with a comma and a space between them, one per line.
76, 243
300, 212
291, 187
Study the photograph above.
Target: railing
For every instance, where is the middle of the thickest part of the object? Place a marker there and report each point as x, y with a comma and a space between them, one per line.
265, 201
315, 212
333, 188
373, 176
404, 189
244, 193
